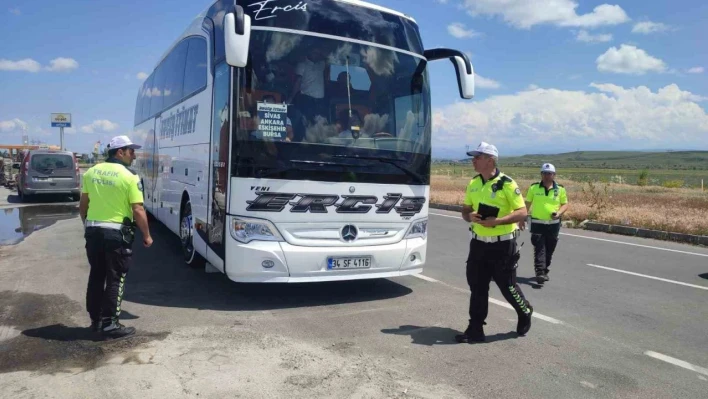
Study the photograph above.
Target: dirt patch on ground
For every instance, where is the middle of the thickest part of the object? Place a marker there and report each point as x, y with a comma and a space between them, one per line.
48, 342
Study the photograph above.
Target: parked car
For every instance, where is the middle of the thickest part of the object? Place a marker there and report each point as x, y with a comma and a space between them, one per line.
49, 172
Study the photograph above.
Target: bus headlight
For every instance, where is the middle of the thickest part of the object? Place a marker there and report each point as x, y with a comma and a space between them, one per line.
418, 229
246, 230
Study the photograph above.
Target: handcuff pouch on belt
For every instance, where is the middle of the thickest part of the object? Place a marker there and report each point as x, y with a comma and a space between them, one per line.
127, 231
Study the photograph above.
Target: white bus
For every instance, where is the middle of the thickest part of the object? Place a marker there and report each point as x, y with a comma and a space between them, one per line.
290, 140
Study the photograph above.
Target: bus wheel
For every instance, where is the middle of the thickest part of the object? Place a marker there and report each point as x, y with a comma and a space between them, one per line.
186, 235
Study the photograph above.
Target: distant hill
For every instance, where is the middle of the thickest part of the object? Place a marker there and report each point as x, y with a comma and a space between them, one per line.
675, 160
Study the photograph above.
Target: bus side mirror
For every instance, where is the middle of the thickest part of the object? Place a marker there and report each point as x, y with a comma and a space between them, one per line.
465, 80
463, 68
237, 37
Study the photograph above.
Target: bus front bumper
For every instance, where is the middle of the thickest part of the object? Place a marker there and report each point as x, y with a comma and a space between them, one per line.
280, 262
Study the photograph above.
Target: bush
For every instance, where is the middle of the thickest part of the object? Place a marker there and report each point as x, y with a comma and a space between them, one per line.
643, 178
673, 184
597, 198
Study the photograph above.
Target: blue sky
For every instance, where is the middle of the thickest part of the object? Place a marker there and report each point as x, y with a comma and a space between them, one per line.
554, 75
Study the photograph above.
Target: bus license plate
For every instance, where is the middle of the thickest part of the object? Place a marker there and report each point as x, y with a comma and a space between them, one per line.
362, 262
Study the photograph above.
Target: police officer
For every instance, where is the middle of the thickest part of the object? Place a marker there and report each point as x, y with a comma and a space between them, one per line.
111, 205
548, 201
494, 205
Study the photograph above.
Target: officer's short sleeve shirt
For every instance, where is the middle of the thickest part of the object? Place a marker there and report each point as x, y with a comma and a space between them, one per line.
112, 189
545, 201
506, 197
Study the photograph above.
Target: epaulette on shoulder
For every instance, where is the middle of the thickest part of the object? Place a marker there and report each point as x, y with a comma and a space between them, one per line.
560, 185
535, 184
500, 183
503, 179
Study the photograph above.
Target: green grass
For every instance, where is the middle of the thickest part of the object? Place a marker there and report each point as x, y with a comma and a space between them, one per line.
675, 160
656, 177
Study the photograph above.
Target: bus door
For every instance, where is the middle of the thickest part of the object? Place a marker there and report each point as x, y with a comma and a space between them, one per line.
219, 157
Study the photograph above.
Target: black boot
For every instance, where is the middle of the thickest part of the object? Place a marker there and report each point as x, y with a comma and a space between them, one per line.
471, 335
540, 277
113, 329
524, 324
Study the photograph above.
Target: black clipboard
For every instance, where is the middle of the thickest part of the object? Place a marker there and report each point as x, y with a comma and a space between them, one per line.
486, 211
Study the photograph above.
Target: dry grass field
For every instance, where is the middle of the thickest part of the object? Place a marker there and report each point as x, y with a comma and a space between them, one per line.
678, 210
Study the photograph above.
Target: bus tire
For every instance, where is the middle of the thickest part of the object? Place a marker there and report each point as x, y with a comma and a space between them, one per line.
186, 235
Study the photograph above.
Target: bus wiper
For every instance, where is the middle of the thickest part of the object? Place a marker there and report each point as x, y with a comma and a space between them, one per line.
290, 167
391, 161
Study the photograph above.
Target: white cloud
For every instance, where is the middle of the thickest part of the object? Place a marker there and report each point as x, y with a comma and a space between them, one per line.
696, 70
584, 36
460, 31
100, 125
485, 83
27, 65
15, 11
532, 87
142, 76
648, 27
524, 14
629, 60
62, 64
606, 116
13, 125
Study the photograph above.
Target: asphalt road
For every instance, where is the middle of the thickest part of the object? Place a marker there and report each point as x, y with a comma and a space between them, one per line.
598, 332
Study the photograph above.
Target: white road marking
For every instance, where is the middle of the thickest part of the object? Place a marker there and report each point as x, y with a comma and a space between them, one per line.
651, 277
426, 278
637, 245
445, 216
603, 239
677, 362
491, 300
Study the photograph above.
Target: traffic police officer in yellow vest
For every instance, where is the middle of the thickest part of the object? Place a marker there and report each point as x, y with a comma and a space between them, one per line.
494, 205
111, 205
548, 201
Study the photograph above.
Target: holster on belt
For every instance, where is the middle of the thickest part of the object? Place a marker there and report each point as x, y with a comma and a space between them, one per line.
512, 262
127, 231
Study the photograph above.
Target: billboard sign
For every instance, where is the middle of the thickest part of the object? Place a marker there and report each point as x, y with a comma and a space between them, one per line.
61, 120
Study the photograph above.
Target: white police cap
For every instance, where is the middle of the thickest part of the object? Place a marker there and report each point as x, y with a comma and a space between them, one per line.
548, 167
484, 148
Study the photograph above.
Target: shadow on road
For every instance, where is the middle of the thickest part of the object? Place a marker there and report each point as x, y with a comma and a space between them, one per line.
41, 199
704, 275
159, 277
531, 281
60, 332
430, 336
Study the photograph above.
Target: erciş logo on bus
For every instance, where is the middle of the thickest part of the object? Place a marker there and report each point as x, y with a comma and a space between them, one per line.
269, 12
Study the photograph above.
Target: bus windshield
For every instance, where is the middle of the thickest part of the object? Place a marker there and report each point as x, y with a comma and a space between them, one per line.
314, 99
